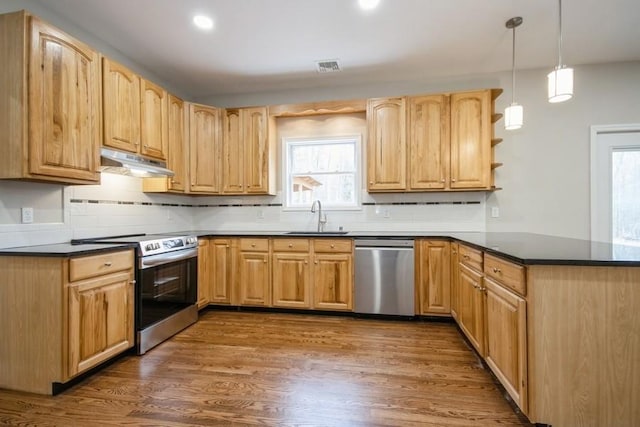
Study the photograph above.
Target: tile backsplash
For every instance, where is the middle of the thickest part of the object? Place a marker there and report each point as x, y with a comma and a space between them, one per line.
118, 206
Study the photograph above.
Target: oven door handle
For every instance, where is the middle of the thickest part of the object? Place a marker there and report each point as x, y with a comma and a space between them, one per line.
155, 260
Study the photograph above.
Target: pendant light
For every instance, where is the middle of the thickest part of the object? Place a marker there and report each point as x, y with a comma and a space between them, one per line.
514, 113
560, 80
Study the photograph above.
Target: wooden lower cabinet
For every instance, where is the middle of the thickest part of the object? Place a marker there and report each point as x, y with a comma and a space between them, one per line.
204, 272
221, 258
434, 277
100, 320
291, 280
455, 281
333, 282
253, 275
506, 352
471, 306
62, 316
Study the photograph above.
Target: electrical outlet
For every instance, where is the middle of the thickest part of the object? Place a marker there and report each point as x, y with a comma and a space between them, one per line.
27, 215
260, 214
495, 212
386, 213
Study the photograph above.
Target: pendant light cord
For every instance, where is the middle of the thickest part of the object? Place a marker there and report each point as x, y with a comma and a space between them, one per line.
560, 34
513, 67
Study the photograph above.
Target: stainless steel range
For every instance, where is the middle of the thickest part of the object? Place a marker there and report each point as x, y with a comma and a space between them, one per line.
166, 285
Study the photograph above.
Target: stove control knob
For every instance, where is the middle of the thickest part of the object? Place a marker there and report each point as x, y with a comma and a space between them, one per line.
149, 247
157, 245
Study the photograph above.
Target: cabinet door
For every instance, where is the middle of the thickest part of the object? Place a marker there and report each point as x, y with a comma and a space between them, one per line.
434, 277
100, 320
254, 278
233, 152
64, 106
506, 352
256, 150
204, 272
471, 315
291, 280
204, 153
121, 107
333, 282
221, 262
455, 282
387, 144
471, 140
153, 120
429, 142
176, 143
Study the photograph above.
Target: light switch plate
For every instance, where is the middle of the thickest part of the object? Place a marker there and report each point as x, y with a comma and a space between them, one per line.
495, 212
27, 215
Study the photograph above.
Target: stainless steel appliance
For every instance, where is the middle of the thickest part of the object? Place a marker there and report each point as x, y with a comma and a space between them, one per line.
384, 277
166, 285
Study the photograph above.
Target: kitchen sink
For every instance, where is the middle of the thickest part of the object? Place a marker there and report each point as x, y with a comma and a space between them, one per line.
316, 233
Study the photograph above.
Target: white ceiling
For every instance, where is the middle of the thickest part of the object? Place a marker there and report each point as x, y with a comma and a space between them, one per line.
269, 45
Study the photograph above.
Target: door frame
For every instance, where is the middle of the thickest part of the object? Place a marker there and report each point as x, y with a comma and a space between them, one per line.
597, 130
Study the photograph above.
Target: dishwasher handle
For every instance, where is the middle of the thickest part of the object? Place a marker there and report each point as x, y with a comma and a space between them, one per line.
384, 243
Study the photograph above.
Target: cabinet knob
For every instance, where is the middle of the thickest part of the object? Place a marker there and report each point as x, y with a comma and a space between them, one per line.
108, 264
253, 245
496, 270
133, 282
370, 182
315, 262
466, 257
454, 252
306, 262
290, 245
265, 261
453, 180
226, 246
442, 180
333, 246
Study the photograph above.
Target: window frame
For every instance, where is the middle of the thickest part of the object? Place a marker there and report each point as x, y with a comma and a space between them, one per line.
287, 142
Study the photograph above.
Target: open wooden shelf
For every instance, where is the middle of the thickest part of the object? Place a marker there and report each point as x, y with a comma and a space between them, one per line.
495, 165
496, 117
495, 141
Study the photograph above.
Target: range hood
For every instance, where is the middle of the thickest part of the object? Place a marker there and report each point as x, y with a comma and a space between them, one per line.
123, 163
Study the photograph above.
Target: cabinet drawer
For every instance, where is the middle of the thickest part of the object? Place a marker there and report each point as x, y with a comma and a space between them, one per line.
99, 265
291, 245
470, 257
506, 273
333, 245
255, 245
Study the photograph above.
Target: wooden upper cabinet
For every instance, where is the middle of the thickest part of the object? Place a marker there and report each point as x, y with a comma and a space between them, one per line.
471, 139
248, 152
428, 142
204, 153
387, 144
121, 107
153, 120
50, 103
176, 143
232, 152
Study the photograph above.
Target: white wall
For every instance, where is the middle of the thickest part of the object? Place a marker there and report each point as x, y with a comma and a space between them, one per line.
545, 177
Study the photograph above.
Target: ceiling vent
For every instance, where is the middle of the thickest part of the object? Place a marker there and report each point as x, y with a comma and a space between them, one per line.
328, 66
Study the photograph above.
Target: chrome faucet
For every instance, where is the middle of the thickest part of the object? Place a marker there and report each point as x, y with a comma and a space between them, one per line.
322, 219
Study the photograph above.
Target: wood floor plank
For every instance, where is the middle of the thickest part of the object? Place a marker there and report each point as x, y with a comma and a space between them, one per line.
272, 369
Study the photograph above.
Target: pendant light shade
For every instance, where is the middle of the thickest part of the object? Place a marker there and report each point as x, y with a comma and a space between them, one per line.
513, 116
560, 83
514, 113
560, 80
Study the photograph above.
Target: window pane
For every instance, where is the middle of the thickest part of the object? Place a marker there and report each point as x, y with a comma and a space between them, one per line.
331, 157
331, 189
625, 194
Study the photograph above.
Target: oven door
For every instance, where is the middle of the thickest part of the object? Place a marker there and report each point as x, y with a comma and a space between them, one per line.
167, 283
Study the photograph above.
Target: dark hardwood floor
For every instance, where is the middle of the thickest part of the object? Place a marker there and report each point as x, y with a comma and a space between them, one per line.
272, 369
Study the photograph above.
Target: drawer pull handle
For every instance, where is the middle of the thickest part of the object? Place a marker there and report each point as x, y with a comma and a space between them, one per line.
108, 264
496, 270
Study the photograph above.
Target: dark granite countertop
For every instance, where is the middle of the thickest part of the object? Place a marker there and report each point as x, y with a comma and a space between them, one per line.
523, 248
63, 250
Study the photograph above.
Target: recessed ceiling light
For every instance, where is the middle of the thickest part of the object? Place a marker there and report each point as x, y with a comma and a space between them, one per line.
368, 4
203, 22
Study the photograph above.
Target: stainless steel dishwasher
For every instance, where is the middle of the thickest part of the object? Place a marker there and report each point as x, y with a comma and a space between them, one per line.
384, 277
